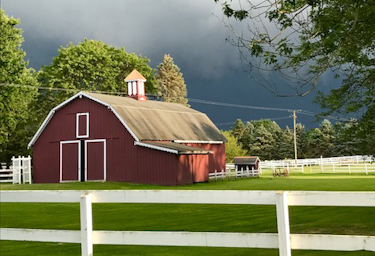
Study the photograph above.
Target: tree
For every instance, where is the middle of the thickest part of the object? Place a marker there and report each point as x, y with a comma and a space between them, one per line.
171, 83
264, 143
301, 141
238, 129
302, 40
347, 139
15, 100
91, 66
284, 145
328, 138
314, 142
232, 147
321, 140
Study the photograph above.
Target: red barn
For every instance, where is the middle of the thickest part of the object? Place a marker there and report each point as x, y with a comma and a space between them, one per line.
97, 137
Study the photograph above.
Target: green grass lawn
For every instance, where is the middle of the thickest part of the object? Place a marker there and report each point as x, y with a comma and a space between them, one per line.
183, 217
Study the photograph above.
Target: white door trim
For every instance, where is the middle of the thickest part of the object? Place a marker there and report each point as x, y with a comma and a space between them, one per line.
105, 157
79, 159
87, 125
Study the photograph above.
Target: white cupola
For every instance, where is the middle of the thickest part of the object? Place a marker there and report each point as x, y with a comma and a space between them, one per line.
136, 85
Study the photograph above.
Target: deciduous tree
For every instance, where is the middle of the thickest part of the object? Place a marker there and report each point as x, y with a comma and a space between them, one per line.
232, 147
300, 41
15, 100
90, 66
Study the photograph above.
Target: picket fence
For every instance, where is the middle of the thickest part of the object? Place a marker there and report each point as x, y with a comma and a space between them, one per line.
19, 171
283, 240
232, 172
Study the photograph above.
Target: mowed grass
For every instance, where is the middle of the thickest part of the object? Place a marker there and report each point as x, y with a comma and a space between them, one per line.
182, 217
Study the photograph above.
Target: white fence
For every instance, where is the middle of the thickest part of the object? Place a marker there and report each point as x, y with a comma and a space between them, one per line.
231, 172
283, 240
19, 171
347, 164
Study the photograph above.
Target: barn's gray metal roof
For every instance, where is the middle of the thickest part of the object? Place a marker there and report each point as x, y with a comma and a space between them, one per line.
155, 120
152, 120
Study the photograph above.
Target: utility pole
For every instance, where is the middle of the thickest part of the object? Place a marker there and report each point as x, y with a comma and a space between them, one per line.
295, 137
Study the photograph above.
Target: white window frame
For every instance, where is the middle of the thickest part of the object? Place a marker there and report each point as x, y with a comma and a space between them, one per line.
79, 159
105, 158
87, 125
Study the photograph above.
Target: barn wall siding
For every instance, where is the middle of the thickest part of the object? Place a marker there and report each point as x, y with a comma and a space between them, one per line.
217, 159
157, 167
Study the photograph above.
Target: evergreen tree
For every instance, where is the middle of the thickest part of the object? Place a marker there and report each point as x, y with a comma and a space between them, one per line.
314, 142
301, 141
171, 83
285, 146
347, 140
15, 100
327, 139
264, 143
238, 129
248, 136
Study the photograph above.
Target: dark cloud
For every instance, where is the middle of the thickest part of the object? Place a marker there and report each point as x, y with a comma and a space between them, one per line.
188, 30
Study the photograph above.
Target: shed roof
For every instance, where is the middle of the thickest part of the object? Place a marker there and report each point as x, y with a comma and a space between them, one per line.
153, 120
245, 160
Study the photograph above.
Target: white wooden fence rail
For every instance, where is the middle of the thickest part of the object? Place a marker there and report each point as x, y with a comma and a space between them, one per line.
282, 199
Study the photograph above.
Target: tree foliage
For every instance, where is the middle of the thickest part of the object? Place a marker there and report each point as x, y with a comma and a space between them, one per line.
90, 66
265, 138
171, 83
15, 100
232, 147
303, 40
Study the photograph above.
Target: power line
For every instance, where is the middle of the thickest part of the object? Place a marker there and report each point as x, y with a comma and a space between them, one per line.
199, 101
270, 118
223, 104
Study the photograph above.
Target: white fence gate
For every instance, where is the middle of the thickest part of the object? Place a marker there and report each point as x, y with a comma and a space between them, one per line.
283, 240
19, 172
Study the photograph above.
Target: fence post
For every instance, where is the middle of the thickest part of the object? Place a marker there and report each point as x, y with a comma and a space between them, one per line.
283, 228
366, 168
86, 225
215, 175
321, 163
350, 172
303, 166
333, 167
247, 171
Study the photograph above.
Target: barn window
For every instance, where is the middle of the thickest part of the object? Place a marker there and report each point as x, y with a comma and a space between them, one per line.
82, 125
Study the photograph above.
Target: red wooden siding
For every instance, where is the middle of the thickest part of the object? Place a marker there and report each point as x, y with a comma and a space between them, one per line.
200, 168
217, 159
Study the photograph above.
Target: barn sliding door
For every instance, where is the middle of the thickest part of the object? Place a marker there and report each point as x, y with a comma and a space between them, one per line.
70, 160
95, 160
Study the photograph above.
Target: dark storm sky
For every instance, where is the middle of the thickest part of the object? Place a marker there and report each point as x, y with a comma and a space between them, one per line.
188, 30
